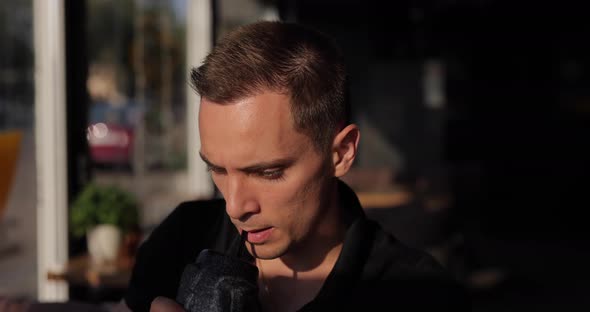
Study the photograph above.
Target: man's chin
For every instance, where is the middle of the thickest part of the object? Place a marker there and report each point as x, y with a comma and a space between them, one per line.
265, 251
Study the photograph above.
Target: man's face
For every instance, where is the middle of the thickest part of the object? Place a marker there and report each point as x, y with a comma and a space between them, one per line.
271, 176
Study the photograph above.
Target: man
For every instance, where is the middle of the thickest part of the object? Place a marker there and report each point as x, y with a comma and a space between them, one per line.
275, 137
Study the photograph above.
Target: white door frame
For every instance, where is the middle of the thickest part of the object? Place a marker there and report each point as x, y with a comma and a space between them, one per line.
50, 146
198, 44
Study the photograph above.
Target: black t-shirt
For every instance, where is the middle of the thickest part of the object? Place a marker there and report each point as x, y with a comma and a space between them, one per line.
373, 272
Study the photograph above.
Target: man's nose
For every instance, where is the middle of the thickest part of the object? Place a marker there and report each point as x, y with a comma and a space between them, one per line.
240, 201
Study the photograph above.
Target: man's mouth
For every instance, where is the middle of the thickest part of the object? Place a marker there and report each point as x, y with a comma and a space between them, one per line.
259, 236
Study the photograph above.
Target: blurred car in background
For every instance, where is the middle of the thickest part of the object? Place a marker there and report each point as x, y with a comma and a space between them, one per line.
111, 134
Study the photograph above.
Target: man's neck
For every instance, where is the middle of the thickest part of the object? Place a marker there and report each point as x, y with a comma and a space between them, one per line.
283, 288
289, 282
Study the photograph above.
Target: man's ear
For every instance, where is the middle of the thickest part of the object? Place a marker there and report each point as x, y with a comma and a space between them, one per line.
344, 148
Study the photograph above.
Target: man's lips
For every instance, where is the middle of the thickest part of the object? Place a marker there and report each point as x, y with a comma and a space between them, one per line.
258, 236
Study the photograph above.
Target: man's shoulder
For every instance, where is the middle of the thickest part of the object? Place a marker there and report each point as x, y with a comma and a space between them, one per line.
174, 243
199, 208
186, 217
191, 222
389, 257
413, 277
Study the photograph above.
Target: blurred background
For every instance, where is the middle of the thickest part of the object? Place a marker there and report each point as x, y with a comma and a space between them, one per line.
475, 118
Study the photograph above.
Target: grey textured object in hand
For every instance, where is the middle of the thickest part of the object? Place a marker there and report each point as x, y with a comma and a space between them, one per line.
219, 283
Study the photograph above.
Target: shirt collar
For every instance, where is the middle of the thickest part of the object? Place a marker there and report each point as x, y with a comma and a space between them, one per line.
355, 250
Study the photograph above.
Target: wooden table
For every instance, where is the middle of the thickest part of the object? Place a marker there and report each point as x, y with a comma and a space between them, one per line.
81, 271
384, 199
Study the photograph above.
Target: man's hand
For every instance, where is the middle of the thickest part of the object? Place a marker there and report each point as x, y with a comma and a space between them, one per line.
163, 304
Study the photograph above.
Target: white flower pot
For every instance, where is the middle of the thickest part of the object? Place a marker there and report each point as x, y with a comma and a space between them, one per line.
103, 241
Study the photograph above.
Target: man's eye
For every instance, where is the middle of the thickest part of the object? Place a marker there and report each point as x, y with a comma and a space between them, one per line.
216, 170
271, 174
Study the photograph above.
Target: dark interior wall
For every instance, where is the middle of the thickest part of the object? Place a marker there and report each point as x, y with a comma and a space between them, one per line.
385, 55
517, 119
509, 114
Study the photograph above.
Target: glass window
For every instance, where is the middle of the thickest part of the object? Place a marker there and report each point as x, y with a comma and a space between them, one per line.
18, 266
137, 111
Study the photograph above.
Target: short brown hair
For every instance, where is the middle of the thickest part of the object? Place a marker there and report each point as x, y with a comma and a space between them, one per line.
282, 57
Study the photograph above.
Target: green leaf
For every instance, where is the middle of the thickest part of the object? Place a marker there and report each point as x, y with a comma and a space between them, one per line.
103, 205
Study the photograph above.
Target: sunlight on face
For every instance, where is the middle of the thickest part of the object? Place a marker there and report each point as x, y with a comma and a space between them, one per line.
270, 175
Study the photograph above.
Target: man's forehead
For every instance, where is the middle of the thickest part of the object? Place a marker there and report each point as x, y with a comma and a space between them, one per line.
264, 100
253, 129
270, 109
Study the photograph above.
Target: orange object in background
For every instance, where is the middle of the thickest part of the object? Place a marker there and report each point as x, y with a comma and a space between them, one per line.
9, 148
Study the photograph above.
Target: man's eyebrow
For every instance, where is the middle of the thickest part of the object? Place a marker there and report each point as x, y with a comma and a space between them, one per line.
277, 163
281, 162
207, 161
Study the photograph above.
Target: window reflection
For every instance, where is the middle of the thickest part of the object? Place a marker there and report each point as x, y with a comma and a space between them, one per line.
137, 112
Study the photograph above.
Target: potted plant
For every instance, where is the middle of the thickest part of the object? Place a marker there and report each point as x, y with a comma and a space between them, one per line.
103, 214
